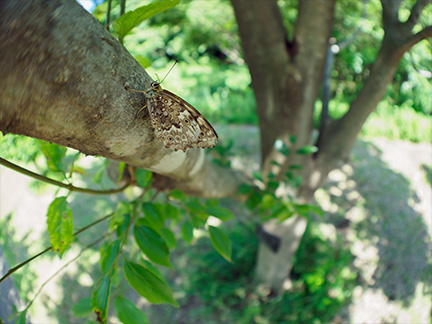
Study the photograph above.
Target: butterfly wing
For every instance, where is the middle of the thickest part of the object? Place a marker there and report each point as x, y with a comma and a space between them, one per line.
179, 125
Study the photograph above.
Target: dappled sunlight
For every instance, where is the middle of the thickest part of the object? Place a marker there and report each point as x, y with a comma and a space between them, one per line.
388, 236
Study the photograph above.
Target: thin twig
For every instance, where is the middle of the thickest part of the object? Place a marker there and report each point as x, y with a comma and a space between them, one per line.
64, 267
17, 267
122, 11
70, 187
22, 264
107, 21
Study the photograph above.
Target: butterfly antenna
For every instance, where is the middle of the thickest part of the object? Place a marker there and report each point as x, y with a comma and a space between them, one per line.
172, 67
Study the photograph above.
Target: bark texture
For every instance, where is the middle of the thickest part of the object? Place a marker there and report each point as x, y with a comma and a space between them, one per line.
63, 79
286, 77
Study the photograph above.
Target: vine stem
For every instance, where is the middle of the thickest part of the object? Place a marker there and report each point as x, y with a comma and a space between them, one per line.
17, 267
70, 187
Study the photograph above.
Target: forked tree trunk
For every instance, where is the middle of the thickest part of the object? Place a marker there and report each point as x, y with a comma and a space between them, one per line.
286, 74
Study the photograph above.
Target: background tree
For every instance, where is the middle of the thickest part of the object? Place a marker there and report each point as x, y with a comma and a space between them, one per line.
286, 75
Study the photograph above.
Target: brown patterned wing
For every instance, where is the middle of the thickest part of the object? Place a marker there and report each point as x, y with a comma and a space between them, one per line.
179, 125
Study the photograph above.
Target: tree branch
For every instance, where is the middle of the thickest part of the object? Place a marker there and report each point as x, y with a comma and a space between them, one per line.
416, 12
421, 35
264, 44
63, 80
70, 187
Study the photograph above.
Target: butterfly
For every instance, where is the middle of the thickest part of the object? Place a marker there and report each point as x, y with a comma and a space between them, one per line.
178, 125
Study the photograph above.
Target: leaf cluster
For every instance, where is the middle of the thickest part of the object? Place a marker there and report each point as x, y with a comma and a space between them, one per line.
277, 198
323, 280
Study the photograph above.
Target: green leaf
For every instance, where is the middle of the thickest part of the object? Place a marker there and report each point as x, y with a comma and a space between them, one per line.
272, 185
245, 189
257, 175
187, 232
122, 209
131, 19
254, 199
121, 218
296, 167
97, 178
220, 212
152, 245
83, 308
308, 149
196, 221
284, 212
109, 255
195, 206
150, 267
121, 168
292, 139
317, 210
178, 194
100, 298
54, 155
148, 285
170, 211
128, 313
305, 210
169, 237
143, 178
143, 61
121, 229
153, 218
221, 242
60, 224
21, 319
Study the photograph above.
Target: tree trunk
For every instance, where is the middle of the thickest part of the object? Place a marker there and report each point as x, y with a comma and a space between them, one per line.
63, 79
286, 76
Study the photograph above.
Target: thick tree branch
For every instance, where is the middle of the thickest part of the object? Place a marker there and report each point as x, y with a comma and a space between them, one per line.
421, 35
337, 141
284, 79
63, 79
416, 12
264, 44
390, 13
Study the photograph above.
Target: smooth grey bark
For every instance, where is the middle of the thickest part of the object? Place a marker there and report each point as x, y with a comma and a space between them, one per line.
63, 80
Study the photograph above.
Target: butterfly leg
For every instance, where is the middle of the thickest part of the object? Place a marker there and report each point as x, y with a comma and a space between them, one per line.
145, 106
138, 112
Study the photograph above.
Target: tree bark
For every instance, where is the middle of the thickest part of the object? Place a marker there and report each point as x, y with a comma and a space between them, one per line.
286, 75
63, 80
